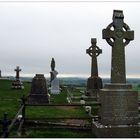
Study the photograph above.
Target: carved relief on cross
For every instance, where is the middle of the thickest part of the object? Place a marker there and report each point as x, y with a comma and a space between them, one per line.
118, 35
94, 51
17, 72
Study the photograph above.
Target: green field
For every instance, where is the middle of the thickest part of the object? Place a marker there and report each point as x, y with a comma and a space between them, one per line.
10, 102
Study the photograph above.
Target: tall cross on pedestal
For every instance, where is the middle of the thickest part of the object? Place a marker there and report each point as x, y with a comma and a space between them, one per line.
17, 72
118, 35
94, 51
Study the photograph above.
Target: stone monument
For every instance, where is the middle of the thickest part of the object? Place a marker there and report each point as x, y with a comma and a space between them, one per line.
55, 88
17, 84
0, 74
94, 82
39, 91
119, 103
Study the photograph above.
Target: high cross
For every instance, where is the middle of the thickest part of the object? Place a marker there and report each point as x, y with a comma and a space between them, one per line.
17, 72
118, 35
94, 51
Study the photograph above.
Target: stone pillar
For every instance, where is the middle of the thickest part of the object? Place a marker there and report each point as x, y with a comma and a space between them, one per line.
119, 103
39, 91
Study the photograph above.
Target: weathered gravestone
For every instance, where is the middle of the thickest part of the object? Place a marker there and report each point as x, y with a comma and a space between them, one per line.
0, 74
39, 91
94, 82
17, 84
119, 103
55, 88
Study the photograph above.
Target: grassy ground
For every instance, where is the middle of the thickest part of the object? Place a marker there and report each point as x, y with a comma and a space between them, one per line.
10, 103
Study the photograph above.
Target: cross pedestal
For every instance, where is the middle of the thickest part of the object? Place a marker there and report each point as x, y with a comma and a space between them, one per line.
17, 84
94, 82
119, 103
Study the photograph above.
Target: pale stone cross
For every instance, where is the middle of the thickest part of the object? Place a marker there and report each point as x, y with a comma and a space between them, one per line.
94, 51
17, 72
118, 35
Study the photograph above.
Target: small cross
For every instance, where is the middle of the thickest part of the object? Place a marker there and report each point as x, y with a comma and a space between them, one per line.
94, 51
17, 72
118, 35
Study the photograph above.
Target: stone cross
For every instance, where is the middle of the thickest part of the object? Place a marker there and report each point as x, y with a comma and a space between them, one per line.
94, 51
118, 35
0, 74
17, 72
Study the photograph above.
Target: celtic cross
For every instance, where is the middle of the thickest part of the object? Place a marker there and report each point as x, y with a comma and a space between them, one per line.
118, 35
94, 51
17, 72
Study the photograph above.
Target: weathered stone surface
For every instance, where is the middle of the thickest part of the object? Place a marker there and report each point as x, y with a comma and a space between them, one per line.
39, 91
118, 38
94, 82
119, 106
119, 103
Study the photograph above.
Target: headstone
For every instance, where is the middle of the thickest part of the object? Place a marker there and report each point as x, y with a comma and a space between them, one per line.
55, 87
17, 84
119, 103
39, 91
94, 82
0, 74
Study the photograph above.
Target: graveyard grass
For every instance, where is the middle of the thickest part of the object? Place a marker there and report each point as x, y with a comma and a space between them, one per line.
10, 101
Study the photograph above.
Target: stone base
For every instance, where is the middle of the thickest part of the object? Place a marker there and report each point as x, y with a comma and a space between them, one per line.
17, 84
119, 105
115, 131
93, 85
38, 99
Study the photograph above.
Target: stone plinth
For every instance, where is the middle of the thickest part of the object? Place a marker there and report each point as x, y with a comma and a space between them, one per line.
115, 131
39, 91
118, 112
93, 84
17, 84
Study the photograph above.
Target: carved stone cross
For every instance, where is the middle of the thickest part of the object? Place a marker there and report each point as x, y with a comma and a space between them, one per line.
94, 51
118, 35
17, 72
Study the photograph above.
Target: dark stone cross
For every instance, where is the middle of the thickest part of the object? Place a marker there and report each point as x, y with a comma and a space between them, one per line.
17, 72
94, 51
118, 35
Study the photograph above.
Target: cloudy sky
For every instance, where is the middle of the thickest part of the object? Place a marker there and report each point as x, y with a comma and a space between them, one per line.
31, 33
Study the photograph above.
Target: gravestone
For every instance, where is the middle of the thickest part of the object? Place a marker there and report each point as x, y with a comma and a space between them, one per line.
94, 82
17, 84
39, 91
119, 103
55, 87
0, 74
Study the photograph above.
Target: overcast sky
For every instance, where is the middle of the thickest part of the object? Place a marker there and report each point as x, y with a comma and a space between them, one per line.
31, 33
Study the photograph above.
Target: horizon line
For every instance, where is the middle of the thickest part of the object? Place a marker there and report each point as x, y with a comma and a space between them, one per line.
69, 75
